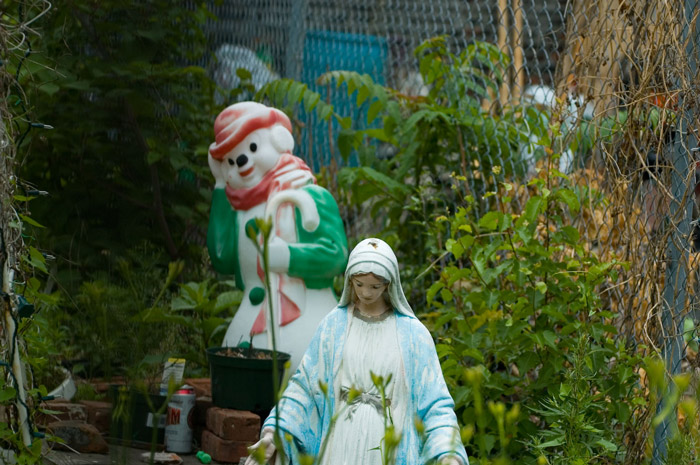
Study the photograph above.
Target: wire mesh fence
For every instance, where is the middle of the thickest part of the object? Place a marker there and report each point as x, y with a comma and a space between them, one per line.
302, 39
605, 92
617, 80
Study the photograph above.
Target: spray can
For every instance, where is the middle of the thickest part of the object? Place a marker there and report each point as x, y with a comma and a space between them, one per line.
178, 421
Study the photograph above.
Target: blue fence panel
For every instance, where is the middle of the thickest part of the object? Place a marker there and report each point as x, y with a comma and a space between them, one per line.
332, 51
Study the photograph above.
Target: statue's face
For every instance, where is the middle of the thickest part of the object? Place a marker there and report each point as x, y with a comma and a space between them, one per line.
247, 163
368, 289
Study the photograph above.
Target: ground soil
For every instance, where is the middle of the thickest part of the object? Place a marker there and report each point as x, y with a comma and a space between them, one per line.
118, 455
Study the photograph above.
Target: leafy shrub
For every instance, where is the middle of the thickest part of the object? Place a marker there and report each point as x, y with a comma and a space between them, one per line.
105, 335
405, 164
201, 312
528, 347
519, 299
126, 161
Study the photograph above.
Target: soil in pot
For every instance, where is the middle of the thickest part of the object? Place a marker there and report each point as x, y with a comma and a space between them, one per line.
241, 378
244, 352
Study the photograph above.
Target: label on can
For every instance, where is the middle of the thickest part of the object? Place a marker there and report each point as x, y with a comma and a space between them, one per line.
178, 421
149, 421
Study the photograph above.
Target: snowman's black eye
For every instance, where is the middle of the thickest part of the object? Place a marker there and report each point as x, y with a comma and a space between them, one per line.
253, 147
231, 162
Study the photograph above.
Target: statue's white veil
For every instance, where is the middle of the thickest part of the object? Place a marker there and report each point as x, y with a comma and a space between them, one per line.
376, 257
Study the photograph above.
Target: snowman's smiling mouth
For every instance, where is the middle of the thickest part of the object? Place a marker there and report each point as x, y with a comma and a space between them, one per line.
247, 172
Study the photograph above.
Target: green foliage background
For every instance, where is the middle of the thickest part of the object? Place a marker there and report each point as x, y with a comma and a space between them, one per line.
508, 289
129, 187
495, 264
132, 119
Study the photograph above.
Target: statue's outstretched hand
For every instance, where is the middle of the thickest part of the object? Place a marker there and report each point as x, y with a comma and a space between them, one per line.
217, 172
267, 443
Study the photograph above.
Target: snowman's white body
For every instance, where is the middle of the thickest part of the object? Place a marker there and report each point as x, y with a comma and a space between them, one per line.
292, 338
258, 177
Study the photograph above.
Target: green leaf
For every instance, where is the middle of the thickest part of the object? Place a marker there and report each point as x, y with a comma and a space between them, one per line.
474, 353
489, 442
597, 271
379, 134
296, 90
466, 241
455, 248
445, 294
383, 181
571, 199
363, 94
153, 157
533, 208
609, 446
344, 122
22, 198
571, 234
490, 220
311, 99
553, 443
29, 220
374, 110
244, 74
78, 85
157, 315
564, 390
7, 394
324, 111
527, 361
228, 300
49, 88
550, 338
210, 325
348, 141
541, 287
36, 259
433, 290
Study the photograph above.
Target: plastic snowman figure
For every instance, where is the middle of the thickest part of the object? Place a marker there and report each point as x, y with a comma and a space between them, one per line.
257, 176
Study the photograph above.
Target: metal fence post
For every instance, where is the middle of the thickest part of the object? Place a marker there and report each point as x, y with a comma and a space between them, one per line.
678, 244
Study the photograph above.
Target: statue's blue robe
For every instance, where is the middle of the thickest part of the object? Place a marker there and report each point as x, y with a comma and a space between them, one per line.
307, 411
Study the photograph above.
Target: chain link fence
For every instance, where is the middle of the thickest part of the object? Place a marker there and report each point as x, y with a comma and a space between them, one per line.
619, 81
302, 39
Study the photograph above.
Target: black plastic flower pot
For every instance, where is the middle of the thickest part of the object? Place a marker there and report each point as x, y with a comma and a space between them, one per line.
241, 378
132, 420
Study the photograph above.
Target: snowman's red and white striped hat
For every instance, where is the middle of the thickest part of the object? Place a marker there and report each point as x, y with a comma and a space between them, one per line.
238, 120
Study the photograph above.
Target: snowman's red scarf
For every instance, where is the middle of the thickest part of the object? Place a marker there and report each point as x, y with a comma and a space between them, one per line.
289, 172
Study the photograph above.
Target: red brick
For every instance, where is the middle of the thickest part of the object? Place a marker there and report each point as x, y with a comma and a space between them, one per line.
222, 450
202, 386
233, 425
102, 385
199, 417
98, 414
80, 436
65, 411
